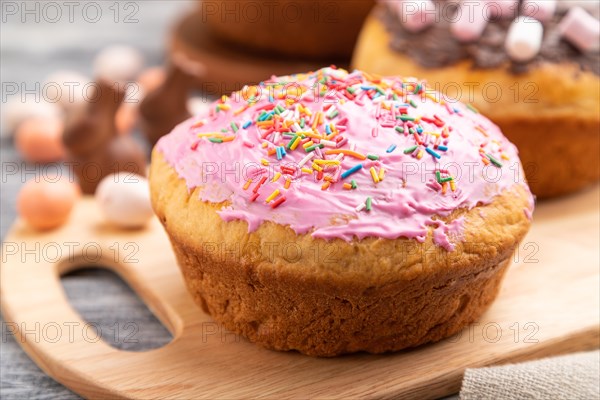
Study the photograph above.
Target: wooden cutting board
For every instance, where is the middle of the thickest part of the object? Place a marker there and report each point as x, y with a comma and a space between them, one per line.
549, 305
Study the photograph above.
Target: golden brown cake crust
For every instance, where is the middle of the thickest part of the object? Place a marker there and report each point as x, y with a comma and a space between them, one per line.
550, 112
324, 298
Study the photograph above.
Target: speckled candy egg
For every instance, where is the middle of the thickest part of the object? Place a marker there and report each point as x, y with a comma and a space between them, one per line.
124, 199
45, 204
39, 140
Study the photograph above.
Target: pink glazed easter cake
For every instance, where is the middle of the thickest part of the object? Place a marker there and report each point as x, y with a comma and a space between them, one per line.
334, 212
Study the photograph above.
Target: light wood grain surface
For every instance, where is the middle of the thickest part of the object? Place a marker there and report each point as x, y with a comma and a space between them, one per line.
548, 305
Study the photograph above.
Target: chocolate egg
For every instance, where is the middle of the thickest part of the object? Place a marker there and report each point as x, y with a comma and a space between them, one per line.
39, 140
124, 199
45, 204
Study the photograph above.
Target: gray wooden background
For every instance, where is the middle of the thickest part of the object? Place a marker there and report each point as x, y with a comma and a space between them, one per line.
34, 45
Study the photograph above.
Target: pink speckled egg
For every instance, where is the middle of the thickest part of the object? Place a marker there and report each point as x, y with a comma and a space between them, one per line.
47, 204
40, 140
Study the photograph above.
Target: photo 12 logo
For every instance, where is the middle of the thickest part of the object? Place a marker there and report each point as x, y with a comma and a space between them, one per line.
494, 332
70, 331
290, 12
53, 12
53, 252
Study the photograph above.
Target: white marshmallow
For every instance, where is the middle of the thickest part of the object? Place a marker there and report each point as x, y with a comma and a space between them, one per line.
118, 63
471, 20
542, 10
124, 199
524, 39
581, 29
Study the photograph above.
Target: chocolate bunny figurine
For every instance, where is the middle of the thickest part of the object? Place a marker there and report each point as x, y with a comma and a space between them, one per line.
164, 108
95, 150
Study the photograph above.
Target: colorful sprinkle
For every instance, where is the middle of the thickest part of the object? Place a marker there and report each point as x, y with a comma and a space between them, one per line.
432, 152
259, 184
278, 202
410, 149
470, 107
494, 161
313, 147
272, 196
374, 175
346, 152
352, 170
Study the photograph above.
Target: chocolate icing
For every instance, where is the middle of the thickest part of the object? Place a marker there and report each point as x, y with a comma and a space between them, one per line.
436, 47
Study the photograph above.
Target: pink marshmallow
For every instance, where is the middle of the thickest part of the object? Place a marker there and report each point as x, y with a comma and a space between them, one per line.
581, 29
542, 10
506, 9
471, 20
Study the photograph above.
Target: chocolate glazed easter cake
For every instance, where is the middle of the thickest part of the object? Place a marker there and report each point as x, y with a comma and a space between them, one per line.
531, 66
335, 212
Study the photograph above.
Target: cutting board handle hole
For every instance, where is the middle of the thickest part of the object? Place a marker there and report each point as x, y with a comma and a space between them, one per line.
93, 293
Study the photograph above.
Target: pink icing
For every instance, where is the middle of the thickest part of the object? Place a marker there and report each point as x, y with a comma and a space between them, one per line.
405, 203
